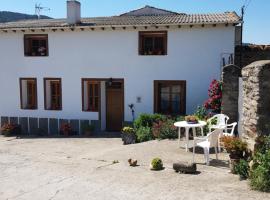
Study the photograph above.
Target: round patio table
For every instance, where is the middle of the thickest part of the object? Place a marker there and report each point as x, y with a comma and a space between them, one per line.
187, 126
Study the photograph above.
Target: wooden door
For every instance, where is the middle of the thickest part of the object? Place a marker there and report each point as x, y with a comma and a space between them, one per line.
115, 106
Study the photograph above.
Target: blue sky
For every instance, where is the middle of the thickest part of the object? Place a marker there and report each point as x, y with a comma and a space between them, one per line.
257, 21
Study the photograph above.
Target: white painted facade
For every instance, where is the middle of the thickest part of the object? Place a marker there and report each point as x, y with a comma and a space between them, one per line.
194, 55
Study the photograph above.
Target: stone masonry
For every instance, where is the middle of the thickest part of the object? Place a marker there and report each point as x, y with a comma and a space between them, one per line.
230, 85
256, 100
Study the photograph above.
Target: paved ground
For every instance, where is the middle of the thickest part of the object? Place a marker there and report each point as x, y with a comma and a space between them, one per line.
37, 169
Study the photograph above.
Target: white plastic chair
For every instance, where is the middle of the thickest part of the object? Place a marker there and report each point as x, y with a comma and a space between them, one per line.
210, 141
230, 129
221, 121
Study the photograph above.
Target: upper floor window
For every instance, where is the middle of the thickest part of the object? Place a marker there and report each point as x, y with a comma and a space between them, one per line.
36, 45
53, 93
28, 90
153, 43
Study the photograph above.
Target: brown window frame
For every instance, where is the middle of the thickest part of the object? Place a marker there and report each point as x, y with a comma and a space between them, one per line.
93, 107
59, 80
153, 34
182, 95
34, 96
28, 44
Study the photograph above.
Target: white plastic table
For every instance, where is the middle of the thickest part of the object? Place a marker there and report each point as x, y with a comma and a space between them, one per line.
187, 126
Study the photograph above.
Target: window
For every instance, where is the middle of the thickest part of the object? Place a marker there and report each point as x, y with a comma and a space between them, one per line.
153, 43
36, 45
28, 90
90, 95
53, 94
170, 97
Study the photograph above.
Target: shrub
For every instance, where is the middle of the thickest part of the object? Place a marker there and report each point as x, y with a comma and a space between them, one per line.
157, 164
242, 169
144, 134
235, 147
260, 172
201, 113
262, 144
215, 96
165, 130
147, 120
10, 129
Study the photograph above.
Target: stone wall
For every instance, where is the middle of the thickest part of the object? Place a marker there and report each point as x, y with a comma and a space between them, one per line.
230, 94
251, 53
256, 100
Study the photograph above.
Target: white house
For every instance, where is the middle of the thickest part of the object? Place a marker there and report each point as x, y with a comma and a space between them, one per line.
94, 68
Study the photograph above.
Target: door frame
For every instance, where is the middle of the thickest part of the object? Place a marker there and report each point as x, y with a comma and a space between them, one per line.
99, 107
122, 97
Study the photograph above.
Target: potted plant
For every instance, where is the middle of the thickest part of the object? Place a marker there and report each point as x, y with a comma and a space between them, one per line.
10, 129
156, 164
237, 150
128, 135
66, 129
191, 119
88, 129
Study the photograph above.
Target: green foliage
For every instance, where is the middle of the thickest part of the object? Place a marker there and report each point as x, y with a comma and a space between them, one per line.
262, 144
147, 120
260, 172
144, 134
157, 164
201, 113
128, 130
242, 169
165, 129
88, 127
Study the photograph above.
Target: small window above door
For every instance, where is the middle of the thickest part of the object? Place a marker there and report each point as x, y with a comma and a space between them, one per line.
36, 45
153, 43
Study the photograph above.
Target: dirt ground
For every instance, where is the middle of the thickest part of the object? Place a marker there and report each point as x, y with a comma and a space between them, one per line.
46, 169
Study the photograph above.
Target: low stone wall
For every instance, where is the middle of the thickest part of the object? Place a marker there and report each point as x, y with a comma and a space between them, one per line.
48, 126
256, 100
230, 94
251, 53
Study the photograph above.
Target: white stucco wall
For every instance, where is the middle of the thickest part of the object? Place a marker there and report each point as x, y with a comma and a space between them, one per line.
194, 55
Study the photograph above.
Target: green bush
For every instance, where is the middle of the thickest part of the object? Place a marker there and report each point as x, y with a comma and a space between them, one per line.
157, 164
260, 172
262, 144
242, 169
144, 134
147, 120
165, 130
201, 113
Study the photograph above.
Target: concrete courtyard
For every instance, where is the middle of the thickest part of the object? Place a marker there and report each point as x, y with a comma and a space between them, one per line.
71, 168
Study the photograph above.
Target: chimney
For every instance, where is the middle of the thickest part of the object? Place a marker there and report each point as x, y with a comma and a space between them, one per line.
73, 12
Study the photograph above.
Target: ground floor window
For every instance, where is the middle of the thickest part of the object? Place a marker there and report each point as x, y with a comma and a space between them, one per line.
53, 94
28, 93
90, 95
170, 97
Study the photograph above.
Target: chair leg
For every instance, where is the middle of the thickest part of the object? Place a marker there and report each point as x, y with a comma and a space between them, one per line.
206, 155
216, 153
193, 159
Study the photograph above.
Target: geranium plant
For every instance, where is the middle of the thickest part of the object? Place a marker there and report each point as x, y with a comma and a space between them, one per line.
66, 129
215, 97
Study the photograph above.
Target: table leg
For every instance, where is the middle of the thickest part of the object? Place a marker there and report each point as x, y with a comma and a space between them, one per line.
179, 136
187, 139
202, 131
194, 132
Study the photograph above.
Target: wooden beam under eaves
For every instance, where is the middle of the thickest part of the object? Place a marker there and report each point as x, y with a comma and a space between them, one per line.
113, 28
156, 27
62, 29
124, 27
167, 27
14, 31
43, 30
92, 29
82, 29
23, 31
54, 29
134, 27
33, 30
